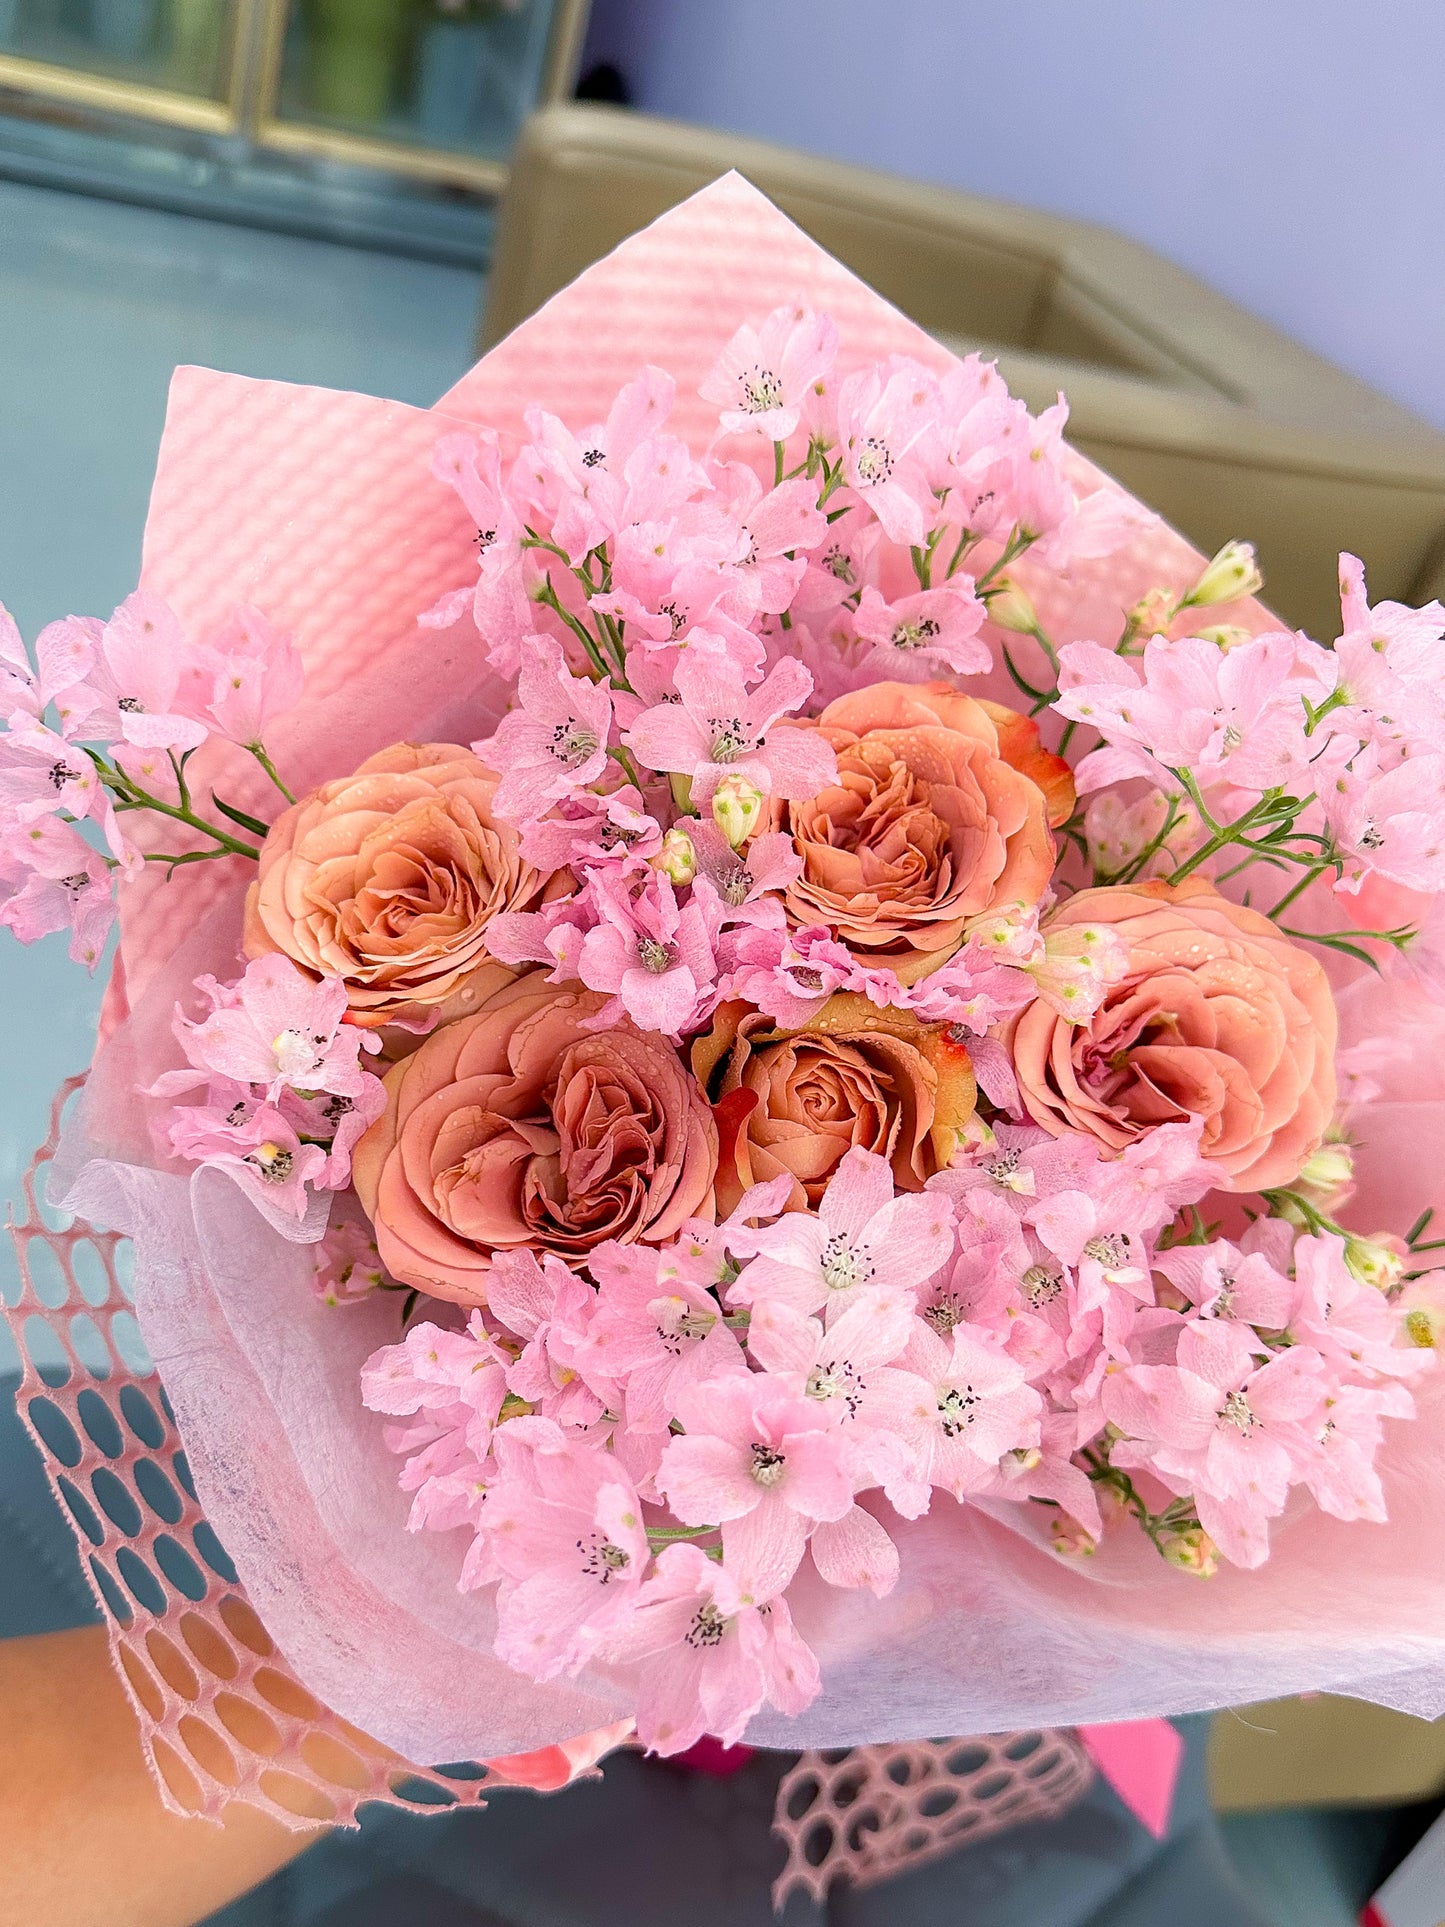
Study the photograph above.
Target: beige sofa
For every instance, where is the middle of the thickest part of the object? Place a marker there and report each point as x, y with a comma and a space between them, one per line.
1224, 425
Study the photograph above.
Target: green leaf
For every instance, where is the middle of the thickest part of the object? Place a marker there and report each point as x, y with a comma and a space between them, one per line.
240, 818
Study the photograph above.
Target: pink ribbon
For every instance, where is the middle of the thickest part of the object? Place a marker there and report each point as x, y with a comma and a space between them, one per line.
1140, 1759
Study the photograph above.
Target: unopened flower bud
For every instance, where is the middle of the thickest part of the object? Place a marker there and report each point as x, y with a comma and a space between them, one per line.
1010, 932
677, 858
1376, 1261
1192, 1550
1232, 573
1079, 962
736, 807
1071, 1539
1153, 613
1225, 635
1325, 1177
1011, 608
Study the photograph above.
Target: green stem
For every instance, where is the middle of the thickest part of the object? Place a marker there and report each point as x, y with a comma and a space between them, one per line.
1012, 549
623, 757
777, 464
1153, 846
965, 543
1298, 889
130, 796
1040, 697
178, 764
258, 750
588, 641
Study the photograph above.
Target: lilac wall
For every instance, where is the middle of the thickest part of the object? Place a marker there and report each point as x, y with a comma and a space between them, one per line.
1291, 152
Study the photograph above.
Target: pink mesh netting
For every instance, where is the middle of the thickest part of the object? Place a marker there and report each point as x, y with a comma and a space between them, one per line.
867, 1814
222, 1715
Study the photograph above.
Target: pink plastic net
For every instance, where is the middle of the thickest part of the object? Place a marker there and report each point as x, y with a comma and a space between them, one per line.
867, 1814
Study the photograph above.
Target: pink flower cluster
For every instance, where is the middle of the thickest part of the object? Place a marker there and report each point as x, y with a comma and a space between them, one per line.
668, 621
104, 722
286, 1095
1351, 735
644, 1457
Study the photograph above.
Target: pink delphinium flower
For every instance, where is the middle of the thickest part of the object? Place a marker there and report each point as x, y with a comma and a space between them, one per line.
51, 879
41, 773
277, 1029
681, 581
248, 676
761, 1461
655, 1331
550, 1309
585, 830
1342, 1475
257, 1145
747, 881
449, 1387
862, 1236
64, 655
1390, 823
1119, 833
721, 726
709, 1653
840, 567
1391, 671
847, 1369
777, 971
347, 1263
658, 958
1222, 1281
922, 636
763, 375
958, 1404
1229, 1423
1233, 717
565, 1533
434, 1367
337, 1119
1350, 1323
132, 691
780, 525
883, 412
554, 742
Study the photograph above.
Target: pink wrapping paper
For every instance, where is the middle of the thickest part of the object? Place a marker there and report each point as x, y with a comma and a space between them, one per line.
319, 506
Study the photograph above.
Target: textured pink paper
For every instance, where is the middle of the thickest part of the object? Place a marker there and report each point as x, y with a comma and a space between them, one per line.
320, 508
263, 487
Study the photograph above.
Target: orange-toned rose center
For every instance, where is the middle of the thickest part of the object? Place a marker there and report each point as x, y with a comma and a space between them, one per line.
574, 1168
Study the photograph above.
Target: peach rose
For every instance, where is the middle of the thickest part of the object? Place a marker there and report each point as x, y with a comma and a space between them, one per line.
795, 1102
518, 1127
1220, 1017
388, 879
938, 816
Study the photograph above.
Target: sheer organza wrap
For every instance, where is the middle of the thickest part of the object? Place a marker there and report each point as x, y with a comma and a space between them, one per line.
321, 507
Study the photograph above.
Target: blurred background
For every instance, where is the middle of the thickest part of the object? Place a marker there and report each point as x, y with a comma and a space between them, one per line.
1216, 226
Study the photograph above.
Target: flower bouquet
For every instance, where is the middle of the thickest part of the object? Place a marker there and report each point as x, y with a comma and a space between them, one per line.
770, 1061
